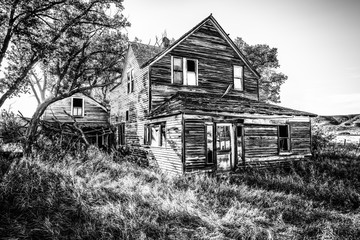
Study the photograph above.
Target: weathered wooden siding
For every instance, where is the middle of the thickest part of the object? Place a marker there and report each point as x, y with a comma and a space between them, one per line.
300, 137
260, 141
215, 67
93, 113
136, 102
195, 147
169, 157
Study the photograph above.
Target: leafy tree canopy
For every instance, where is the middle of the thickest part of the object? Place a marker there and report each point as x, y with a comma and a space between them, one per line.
57, 33
73, 46
265, 62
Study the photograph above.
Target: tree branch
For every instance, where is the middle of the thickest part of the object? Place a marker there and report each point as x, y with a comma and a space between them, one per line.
9, 32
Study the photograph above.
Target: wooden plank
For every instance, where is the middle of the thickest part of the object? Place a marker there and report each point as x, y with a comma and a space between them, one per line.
215, 60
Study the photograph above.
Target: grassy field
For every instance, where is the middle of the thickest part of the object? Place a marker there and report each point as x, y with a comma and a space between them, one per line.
108, 198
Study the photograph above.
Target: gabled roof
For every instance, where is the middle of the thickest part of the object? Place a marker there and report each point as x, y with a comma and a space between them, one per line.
144, 52
96, 102
159, 55
193, 102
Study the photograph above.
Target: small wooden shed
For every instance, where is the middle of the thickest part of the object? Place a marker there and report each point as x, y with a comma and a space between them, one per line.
91, 116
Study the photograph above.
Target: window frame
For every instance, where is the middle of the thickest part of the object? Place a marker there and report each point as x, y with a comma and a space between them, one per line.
212, 127
223, 137
173, 69
72, 107
288, 138
130, 80
236, 77
185, 71
161, 137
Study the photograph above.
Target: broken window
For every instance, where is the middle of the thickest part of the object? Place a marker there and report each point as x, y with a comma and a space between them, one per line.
184, 71
284, 138
238, 77
191, 72
78, 107
223, 138
154, 134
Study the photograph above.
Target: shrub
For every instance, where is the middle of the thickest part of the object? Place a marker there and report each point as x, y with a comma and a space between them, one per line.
131, 154
320, 140
12, 129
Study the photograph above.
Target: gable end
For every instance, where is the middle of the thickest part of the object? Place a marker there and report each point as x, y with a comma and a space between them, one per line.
189, 33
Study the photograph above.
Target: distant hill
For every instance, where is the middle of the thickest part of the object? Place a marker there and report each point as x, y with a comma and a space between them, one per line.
340, 124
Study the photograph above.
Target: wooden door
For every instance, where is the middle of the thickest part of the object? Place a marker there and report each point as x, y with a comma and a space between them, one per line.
224, 146
121, 134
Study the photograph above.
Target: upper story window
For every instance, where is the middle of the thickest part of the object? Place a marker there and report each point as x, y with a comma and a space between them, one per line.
77, 106
127, 115
284, 138
177, 70
184, 71
130, 80
238, 77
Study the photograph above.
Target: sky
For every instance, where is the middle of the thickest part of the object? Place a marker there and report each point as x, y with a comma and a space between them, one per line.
318, 42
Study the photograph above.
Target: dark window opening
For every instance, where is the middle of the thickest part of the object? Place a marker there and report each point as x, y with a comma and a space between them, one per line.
284, 140
239, 131
77, 107
127, 116
191, 66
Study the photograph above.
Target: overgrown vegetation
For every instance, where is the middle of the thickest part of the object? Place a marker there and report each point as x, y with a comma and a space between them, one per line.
64, 191
102, 196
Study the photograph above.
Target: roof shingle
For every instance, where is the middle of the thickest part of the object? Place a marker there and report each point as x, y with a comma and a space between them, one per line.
214, 103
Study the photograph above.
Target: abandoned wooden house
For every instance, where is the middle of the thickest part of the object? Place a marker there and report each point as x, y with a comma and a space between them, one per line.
91, 116
194, 106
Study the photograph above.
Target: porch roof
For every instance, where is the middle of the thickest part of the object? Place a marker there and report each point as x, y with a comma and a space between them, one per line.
194, 102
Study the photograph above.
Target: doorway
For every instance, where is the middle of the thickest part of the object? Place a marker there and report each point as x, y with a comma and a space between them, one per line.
224, 146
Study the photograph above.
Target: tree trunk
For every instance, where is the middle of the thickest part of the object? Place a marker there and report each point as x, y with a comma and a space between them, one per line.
30, 136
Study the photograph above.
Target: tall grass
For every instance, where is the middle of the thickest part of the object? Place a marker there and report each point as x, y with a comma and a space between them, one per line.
333, 183
109, 198
106, 199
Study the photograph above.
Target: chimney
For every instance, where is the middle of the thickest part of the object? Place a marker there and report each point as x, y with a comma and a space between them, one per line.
165, 42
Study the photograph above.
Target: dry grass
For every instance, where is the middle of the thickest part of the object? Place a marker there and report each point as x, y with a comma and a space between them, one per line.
106, 199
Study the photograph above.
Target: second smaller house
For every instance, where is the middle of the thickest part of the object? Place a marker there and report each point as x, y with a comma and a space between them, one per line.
92, 117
